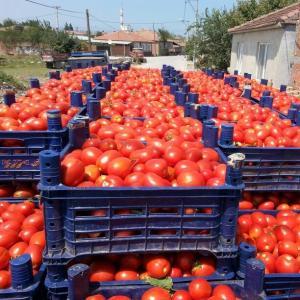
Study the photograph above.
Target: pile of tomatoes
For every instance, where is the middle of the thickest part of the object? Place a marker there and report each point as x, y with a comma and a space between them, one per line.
270, 200
140, 267
21, 231
276, 238
198, 289
281, 100
18, 190
115, 163
139, 93
30, 111
253, 125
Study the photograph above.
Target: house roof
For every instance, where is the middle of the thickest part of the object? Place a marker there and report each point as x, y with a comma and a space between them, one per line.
123, 36
285, 16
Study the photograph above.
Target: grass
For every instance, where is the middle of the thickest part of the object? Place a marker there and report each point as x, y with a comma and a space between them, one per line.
24, 67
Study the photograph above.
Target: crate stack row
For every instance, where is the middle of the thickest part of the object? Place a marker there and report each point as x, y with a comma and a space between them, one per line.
20, 148
74, 231
267, 171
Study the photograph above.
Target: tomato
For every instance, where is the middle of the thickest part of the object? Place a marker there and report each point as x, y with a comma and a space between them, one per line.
157, 166
199, 289
158, 267
12, 225
4, 258
185, 165
109, 181
185, 261
25, 208
91, 173
96, 297
210, 154
38, 238
119, 298
259, 218
244, 223
175, 272
156, 293
288, 247
90, 155
266, 242
127, 147
6, 191
269, 261
134, 179
286, 264
35, 252
205, 266
5, 279
124, 274
173, 155
102, 271
12, 215
36, 220
284, 233
152, 180
72, 171
130, 261
17, 249
27, 232
120, 166
8, 237
181, 295
190, 179
223, 292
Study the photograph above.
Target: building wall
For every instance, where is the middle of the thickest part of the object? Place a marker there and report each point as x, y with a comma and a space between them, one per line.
119, 50
296, 66
280, 53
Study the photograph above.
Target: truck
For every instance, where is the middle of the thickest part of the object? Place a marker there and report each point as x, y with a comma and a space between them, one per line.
55, 60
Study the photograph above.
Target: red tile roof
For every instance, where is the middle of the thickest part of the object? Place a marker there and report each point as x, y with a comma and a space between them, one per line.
284, 16
128, 36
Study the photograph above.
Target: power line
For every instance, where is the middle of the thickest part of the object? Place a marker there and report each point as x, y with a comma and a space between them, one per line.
54, 7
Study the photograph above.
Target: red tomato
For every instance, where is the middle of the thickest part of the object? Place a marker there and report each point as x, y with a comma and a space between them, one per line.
158, 166
181, 295
266, 242
119, 298
12, 225
190, 179
90, 155
120, 166
185, 261
17, 249
156, 293
130, 261
288, 247
8, 237
175, 272
96, 297
38, 238
284, 233
124, 274
134, 179
286, 264
25, 208
36, 220
102, 271
4, 258
173, 155
200, 289
27, 232
72, 171
35, 252
151, 179
91, 173
5, 279
224, 292
158, 267
269, 261
210, 154
205, 266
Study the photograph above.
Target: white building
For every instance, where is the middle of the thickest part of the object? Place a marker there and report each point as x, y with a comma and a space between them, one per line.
266, 46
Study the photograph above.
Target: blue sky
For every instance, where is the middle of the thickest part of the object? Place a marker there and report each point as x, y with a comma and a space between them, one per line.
135, 11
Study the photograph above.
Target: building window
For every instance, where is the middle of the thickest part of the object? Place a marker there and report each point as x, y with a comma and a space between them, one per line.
261, 59
137, 45
239, 61
146, 47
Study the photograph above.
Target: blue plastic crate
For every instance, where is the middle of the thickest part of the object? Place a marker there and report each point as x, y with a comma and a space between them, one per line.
22, 162
79, 286
267, 168
34, 290
69, 223
286, 283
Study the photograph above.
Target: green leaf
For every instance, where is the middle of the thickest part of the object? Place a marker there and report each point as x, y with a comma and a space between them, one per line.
165, 283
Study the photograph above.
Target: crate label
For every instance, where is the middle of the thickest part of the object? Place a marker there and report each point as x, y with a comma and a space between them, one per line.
9, 164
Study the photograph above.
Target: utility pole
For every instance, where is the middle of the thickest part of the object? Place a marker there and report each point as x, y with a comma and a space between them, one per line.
57, 20
154, 37
88, 28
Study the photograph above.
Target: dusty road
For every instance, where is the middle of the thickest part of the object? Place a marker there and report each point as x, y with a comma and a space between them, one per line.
179, 62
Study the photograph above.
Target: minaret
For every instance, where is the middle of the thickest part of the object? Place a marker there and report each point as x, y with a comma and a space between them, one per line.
122, 27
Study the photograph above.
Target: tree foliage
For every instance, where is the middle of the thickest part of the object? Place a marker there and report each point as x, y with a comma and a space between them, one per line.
209, 39
38, 34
